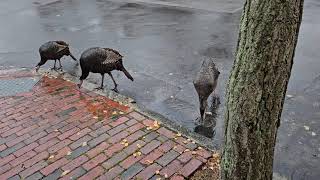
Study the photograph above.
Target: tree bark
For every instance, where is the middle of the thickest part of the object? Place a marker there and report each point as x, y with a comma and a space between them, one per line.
257, 86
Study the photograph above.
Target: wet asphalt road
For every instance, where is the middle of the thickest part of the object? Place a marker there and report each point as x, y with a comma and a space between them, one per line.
163, 45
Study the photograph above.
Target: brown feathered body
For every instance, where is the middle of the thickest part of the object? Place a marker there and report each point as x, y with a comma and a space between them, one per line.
54, 50
101, 60
205, 82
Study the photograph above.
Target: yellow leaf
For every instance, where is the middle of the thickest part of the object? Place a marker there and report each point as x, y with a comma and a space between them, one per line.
134, 154
139, 153
84, 144
215, 155
124, 140
65, 172
158, 179
149, 162
185, 142
51, 157
114, 113
121, 112
178, 134
187, 150
126, 144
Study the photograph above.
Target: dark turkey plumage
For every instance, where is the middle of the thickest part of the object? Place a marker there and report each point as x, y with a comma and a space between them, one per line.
206, 82
101, 60
54, 50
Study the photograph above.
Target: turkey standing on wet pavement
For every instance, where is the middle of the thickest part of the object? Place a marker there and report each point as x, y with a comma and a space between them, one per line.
54, 50
206, 82
101, 60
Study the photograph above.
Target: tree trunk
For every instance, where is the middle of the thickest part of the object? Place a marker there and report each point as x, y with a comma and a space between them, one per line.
257, 86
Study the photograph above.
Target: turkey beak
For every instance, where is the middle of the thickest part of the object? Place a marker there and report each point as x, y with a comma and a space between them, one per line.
37, 68
73, 57
80, 84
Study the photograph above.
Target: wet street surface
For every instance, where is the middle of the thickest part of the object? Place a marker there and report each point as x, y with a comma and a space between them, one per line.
163, 45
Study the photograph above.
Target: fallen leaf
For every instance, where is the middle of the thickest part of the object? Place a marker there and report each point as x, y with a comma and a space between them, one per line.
105, 111
178, 134
215, 155
78, 133
200, 148
51, 157
134, 154
65, 172
126, 144
139, 153
69, 153
95, 117
193, 142
185, 142
56, 130
158, 179
307, 128
189, 140
138, 145
204, 167
149, 128
149, 162
193, 152
143, 137
157, 172
84, 144
174, 147
211, 167
187, 150
121, 112
125, 140
114, 113
313, 134
165, 175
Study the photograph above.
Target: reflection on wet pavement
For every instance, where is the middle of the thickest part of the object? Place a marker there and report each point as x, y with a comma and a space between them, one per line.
162, 47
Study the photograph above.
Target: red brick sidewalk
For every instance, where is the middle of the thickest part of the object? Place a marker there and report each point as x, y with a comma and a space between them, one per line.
56, 131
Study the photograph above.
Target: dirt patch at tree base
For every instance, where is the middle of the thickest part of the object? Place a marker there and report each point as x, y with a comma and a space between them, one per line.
211, 170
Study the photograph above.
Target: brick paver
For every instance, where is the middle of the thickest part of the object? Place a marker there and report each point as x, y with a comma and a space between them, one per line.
56, 131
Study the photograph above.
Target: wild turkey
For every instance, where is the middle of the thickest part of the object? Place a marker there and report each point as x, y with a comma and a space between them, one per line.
101, 60
54, 50
205, 83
